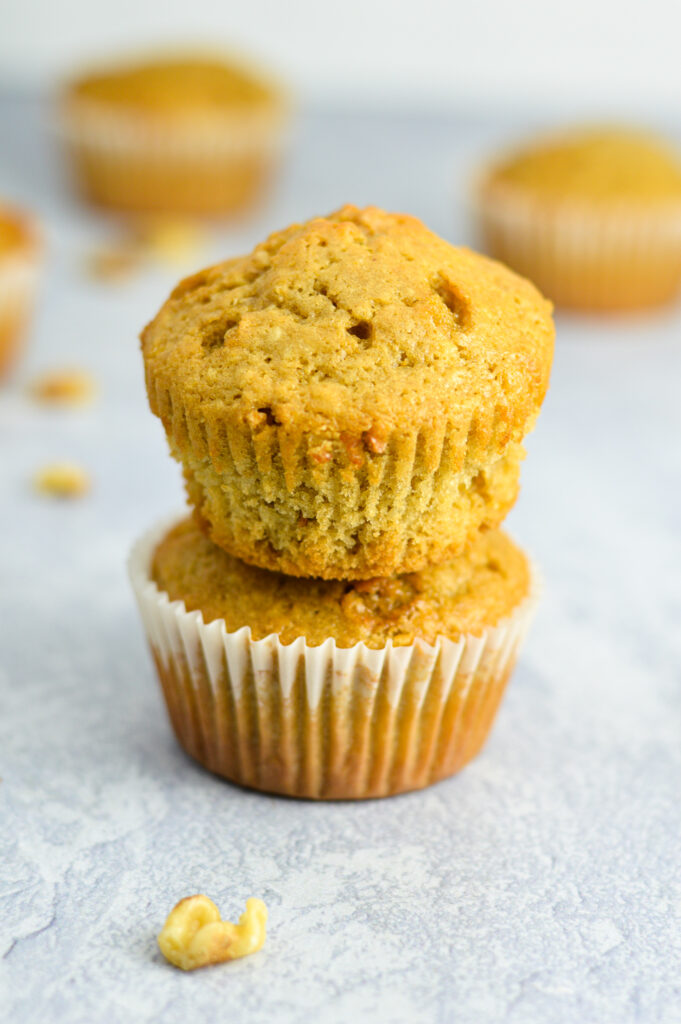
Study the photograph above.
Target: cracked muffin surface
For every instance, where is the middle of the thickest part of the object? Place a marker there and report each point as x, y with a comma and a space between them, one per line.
349, 400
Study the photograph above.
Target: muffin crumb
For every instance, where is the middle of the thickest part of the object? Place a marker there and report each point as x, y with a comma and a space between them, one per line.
63, 387
62, 480
172, 241
114, 261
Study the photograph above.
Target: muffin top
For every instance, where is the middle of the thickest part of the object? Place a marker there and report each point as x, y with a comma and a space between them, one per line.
176, 85
358, 322
597, 165
474, 591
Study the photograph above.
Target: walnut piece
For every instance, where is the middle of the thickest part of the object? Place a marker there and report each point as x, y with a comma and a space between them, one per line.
114, 261
165, 241
62, 480
172, 241
195, 936
63, 387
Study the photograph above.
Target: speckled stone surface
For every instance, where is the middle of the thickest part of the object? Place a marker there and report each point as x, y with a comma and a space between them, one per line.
541, 885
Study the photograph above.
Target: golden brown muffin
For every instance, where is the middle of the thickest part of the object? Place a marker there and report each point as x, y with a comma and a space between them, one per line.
593, 217
465, 595
350, 399
19, 255
187, 134
396, 687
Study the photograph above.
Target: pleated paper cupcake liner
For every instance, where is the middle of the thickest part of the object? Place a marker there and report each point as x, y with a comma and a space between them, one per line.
324, 722
18, 280
218, 166
583, 257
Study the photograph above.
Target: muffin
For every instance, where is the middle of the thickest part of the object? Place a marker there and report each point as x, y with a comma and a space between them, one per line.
593, 218
331, 689
181, 135
19, 255
350, 399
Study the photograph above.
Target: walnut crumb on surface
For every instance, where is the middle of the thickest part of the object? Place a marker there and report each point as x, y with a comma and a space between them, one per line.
164, 241
194, 934
114, 261
63, 387
62, 480
171, 241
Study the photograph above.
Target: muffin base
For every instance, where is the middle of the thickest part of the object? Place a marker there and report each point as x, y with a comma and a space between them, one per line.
324, 722
586, 259
261, 500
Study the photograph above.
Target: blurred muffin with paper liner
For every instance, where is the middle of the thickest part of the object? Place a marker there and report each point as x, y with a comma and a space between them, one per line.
181, 133
592, 216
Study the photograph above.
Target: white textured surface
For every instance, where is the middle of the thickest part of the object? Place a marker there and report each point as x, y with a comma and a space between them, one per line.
541, 885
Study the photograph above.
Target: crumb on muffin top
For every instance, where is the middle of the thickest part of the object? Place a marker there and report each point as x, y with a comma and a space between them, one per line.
359, 321
596, 164
466, 595
175, 84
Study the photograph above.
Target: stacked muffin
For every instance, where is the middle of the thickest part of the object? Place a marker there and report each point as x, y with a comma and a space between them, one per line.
340, 616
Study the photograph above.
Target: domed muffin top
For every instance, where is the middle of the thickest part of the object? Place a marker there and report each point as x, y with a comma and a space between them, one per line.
596, 164
175, 84
466, 595
359, 321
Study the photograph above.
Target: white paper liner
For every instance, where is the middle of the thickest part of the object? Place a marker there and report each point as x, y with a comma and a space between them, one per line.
581, 256
121, 133
323, 722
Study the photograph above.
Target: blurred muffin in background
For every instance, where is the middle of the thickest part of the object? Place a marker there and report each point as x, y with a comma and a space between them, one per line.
19, 257
185, 134
592, 217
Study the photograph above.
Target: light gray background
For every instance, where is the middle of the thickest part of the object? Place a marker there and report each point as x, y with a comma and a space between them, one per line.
600, 57
541, 885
